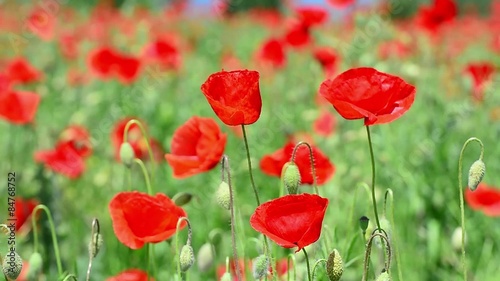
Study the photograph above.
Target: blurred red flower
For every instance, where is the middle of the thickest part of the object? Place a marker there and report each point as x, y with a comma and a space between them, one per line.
340, 3
234, 96
78, 138
24, 208
139, 218
20, 71
18, 107
272, 52
107, 63
163, 52
42, 23
272, 164
131, 275
325, 124
197, 146
485, 198
293, 220
481, 73
63, 159
68, 44
297, 35
393, 49
365, 93
221, 269
431, 17
311, 16
328, 59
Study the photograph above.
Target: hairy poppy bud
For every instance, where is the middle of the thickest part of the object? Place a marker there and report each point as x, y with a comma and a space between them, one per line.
127, 154
384, 276
226, 277
290, 175
95, 244
223, 195
35, 267
182, 198
260, 267
12, 265
476, 174
186, 258
334, 267
205, 257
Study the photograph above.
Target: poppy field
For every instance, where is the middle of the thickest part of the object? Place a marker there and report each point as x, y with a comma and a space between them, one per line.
329, 142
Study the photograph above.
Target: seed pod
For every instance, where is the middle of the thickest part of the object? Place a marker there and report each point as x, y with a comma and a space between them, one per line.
12, 265
476, 174
290, 175
334, 266
260, 267
127, 154
186, 258
223, 196
363, 223
182, 198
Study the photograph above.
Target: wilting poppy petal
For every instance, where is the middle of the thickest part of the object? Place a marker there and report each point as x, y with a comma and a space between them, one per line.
131, 275
139, 218
292, 220
63, 159
365, 93
197, 146
485, 199
234, 96
18, 107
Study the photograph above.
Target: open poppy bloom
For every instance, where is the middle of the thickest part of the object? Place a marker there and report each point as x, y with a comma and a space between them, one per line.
164, 53
18, 107
273, 164
139, 218
481, 73
79, 138
328, 59
365, 93
272, 52
433, 16
131, 275
292, 220
42, 23
20, 71
325, 124
197, 146
311, 16
108, 63
297, 35
485, 198
234, 96
24, 208
63, 159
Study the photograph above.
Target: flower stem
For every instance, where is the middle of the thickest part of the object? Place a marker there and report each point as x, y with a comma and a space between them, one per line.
144, 134
311, 157
373, 177
291, 257
177, 251
52, 231
389, 194
316, 265
145, 174
387, 262
250, 165
460, 193
307, 263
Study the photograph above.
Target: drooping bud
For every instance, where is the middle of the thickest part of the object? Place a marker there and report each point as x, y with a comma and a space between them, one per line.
476, 174
290, 175
205, 257
384, 276
334, 266
226, 277
95, 245
186, 258
182, 198
127, 154
35, 267
12, 265
223, 196
363, 223
260, 267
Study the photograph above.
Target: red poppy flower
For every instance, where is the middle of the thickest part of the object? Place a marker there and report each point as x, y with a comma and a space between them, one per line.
63, 159
131, 275
78, 138
139, 218
234, 96
365, 93
293, 220
310, 16
42, 24
340, 3
328, 59
485, 198
19, 70
24, 208
393, 49
325, 124
221, 269
272, 52
136, 140
297, 35
272, 164
163, 52
481, 73
18, 107
128, 68
433, 16
68, 43
106, 63
197, 146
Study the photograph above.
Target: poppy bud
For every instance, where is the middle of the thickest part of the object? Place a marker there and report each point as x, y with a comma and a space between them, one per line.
4, 229
182, 198
205, 257
95, 244
12, 265
35, 267
290, 175
334, 267
223, 195
260, 267
127, 154
384, 276
186, 258
226, 277
363, 223
476, 174
456, 239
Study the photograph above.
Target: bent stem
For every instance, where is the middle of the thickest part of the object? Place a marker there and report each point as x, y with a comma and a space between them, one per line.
145, 174
389, 194
311, 158
316, 265
374, 201
307, 263
96, 230
291, 257
226, 173
144, 134
52, 231
460, 193
388, 257
189, 238
250, 165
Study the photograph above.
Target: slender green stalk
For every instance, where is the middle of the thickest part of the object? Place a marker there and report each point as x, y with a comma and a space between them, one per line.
96, 229
388, 257
52, 231
307, 263
177, 251
311, 158
460, 193
374, 201
389, 194
316, 265
250, 165
145, 135
291, 257
145, 174
351, 212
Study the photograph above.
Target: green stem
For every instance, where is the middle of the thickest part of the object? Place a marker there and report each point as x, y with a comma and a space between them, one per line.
145, 174
351, 212
52, 231
307, 263
250, 165
374, 201
388, 257
145, 135
189, 238
316, 265
96, 229
291, 257
460, 193
389, 194
311, 158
